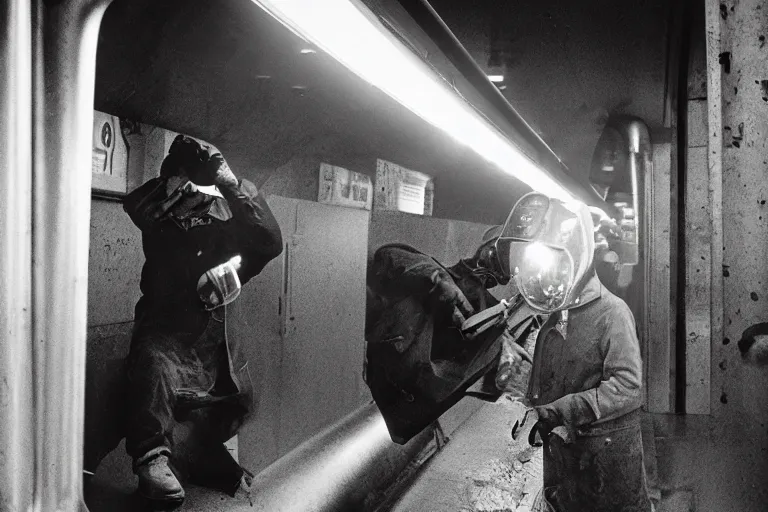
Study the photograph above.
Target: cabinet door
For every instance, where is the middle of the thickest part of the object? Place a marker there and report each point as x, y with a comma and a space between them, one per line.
301, 323
254, 320
324, 319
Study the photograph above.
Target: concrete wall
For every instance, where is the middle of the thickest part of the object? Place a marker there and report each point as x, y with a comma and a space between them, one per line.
723, 455
739, 393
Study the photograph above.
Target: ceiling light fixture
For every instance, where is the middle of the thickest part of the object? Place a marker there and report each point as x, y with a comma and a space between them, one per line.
305, 51
496, 78
351, 34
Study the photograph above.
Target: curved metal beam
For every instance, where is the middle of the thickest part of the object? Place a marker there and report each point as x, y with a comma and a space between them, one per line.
431, 23
337, 469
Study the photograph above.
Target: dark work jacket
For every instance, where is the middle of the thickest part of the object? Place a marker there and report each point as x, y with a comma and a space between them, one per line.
183, 246
418, 364
598, 363
593, 377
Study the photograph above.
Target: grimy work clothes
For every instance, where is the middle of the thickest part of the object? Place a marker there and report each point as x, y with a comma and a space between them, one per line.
182, 368
587, 366
418, 363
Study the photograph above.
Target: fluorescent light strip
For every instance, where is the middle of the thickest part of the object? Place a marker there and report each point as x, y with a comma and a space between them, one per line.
496, 78
341, 29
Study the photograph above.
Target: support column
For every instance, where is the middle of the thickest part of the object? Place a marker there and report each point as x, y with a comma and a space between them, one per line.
16, 397
64, 92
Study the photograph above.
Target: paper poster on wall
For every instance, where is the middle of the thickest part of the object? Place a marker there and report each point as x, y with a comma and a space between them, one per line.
109, 155
343, 187
401, 189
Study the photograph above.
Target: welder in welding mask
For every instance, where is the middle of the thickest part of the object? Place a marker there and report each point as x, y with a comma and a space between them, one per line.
205, 234
586, 379
419, 362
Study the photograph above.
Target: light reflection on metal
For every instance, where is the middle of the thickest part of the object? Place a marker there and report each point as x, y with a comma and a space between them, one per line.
350, 33
61, 194
16, 364
338, 468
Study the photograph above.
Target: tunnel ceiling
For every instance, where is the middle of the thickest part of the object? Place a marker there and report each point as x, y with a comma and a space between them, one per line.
570, 63
230, 74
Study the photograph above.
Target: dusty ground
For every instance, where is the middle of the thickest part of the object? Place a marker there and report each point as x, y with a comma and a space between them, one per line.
482, 468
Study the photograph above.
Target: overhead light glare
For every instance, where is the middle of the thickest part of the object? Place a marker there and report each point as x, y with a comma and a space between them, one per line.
306, 51
351, 34
496, 78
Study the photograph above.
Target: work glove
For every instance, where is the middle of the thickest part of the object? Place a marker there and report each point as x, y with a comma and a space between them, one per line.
445, 292
549, 419
571, 411
214, 170
510, 362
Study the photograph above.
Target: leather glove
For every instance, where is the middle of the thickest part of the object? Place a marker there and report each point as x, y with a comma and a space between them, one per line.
572, 411
214, 170
445, 292
549, 419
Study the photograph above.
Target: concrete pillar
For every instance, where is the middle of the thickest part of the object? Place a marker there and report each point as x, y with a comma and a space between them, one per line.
738, 391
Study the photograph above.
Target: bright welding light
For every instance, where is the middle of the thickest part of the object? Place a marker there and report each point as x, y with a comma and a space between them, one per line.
350, 33
496, 78
540, 255
236, 261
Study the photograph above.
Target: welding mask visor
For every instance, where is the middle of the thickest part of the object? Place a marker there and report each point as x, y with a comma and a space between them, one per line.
549, 246
220, 285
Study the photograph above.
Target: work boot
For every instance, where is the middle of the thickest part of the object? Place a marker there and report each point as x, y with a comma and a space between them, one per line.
157, 482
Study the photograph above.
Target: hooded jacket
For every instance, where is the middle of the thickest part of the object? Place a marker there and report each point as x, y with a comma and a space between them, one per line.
183, 245
593, 374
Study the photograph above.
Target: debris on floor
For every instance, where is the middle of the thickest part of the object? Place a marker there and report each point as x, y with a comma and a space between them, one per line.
508, 484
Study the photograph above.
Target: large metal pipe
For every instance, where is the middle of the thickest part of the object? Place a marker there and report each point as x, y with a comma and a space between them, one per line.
431, 23
338, 469
63, 118
16, 397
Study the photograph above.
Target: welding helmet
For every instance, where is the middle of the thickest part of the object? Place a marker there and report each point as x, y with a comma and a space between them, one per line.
220, 285
548, 246
181, 166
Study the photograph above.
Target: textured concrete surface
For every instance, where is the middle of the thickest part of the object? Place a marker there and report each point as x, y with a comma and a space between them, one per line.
481, 468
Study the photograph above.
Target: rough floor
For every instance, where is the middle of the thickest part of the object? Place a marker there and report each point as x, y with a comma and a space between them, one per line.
482, 468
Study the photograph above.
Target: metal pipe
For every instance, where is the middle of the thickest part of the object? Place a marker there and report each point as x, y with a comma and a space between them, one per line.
63, 119
16, 397
338, 468
431, 23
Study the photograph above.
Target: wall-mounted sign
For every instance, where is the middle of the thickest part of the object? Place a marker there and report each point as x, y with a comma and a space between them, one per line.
401, 189
109, 155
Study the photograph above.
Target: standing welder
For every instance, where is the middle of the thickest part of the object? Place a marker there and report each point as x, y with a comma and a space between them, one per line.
204, 233
587, 372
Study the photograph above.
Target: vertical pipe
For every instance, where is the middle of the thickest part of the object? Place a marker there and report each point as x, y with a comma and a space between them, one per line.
16, 398
61, 228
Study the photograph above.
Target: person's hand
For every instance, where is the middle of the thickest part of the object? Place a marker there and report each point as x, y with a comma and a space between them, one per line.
514, 353
549, 419
223, 175
446, 293
213, 170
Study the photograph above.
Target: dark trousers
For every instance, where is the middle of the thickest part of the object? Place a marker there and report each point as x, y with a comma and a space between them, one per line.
599, 472
164, 370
